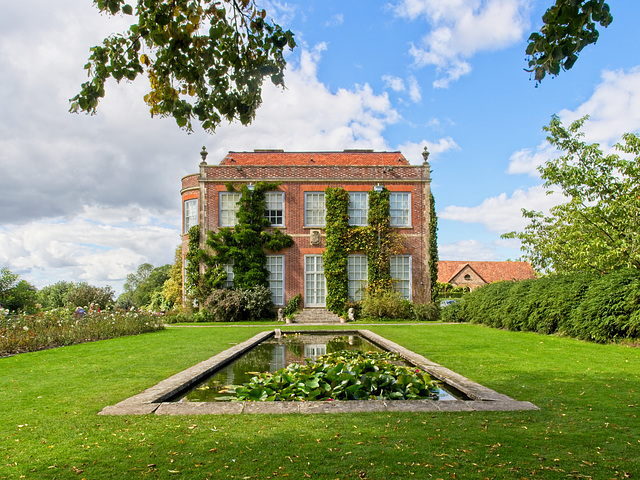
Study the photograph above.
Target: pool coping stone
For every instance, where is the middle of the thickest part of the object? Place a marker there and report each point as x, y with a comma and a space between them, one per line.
154, 400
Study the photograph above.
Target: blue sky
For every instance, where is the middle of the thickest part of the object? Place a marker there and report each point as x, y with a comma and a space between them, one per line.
89, 198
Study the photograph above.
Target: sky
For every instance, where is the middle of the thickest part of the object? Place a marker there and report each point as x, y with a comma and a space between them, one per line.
90, 198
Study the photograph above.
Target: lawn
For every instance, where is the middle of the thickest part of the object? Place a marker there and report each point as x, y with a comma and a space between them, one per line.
587, 425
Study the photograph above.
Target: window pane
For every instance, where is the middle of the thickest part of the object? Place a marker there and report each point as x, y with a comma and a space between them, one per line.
357, 273
400, 209
358, 208
190, 214
229, 208
314, 211
275, 266
274, 207
400, 270
228, 268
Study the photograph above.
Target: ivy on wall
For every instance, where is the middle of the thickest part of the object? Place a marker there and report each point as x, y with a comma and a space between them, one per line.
243, 246
378, 241
433, 242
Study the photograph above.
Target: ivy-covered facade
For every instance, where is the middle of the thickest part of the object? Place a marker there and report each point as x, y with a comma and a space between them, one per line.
325, 225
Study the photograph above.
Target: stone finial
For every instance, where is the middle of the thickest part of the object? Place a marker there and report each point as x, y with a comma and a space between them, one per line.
204, 154
425, 154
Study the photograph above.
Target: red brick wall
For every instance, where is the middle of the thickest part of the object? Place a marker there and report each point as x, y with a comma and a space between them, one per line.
295, 181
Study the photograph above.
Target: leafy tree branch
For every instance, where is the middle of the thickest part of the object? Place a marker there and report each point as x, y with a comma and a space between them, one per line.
206, 60
569, 26
598, 227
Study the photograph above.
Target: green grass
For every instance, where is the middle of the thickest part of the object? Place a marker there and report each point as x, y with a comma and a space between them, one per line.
588, 425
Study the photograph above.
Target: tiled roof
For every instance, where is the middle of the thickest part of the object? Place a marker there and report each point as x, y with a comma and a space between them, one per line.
489, 271
347, 157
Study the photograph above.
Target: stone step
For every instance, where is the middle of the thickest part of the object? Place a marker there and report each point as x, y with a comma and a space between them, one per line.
316, 315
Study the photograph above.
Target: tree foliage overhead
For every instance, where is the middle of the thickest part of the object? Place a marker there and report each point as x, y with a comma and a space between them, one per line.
141, 286
569, 26
205, 59
598, 228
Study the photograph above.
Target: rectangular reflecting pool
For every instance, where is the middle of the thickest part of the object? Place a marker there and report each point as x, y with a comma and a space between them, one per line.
194, 391
279, 352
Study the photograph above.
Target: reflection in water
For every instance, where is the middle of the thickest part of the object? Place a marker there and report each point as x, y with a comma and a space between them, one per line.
275, 354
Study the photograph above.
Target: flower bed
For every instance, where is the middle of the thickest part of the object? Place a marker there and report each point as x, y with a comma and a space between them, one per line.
60, 327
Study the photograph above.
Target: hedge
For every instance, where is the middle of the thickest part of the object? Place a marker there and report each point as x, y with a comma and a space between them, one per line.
593, 307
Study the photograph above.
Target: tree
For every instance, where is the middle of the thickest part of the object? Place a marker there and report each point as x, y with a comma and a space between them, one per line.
16, 294
205, 59
172, 288
83, 295
569, 26
8, 281
142, 285
598, 227
54, 296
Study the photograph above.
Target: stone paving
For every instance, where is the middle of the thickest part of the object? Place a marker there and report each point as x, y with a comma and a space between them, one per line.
155, 399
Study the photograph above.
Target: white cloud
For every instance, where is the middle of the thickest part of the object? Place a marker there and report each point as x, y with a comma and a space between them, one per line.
461, 29
613, 109
527, 161
397, 84
394, 83
99, 246
91, 198
413, 150
308, 116
415, 92
503, 213
335, 20
468, 250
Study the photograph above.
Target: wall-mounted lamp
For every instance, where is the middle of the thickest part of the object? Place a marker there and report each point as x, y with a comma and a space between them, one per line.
378, 188
251, 187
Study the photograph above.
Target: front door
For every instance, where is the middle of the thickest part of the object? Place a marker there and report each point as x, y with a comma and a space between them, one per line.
315, 287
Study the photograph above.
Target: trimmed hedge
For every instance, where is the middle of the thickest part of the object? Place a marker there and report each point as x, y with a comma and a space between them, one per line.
593, 307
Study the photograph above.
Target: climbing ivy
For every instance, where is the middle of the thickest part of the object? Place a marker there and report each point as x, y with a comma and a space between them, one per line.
433, 242
378, 241
243, 246
198, 286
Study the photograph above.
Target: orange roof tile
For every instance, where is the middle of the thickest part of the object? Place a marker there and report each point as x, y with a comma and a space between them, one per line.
347, 157
489, 271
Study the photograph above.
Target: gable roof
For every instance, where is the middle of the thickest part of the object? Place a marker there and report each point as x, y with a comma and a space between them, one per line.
347, 157
489, 271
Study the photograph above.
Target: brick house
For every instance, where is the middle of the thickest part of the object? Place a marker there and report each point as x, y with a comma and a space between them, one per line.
476, 274
297, 207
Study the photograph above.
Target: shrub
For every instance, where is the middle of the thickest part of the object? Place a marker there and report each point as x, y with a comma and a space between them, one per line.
183, 315
609, 309
256, 303
386, 304
224, 305
588, 306
426, 312
452, 313
556, 297
484, 304
292, 306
